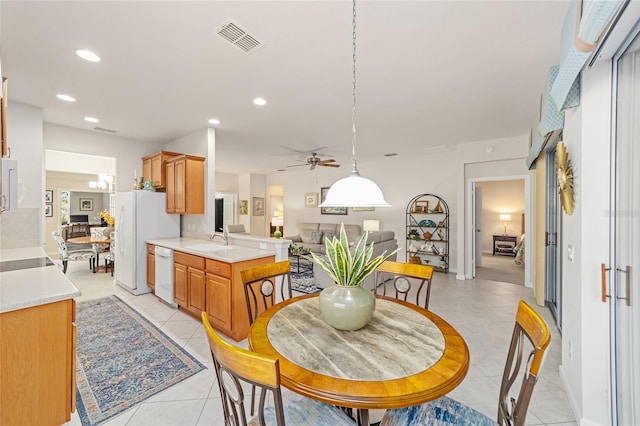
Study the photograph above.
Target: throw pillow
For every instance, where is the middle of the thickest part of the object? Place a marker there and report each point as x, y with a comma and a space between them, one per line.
305, 234
316, 237
329, 235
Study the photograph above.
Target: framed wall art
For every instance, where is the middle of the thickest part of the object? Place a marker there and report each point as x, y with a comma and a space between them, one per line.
244, 207
311, 199
330, 210
86, 204
258, 206
48, 196
48, 210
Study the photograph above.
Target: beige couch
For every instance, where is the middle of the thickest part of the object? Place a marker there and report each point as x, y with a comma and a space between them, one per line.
383, 241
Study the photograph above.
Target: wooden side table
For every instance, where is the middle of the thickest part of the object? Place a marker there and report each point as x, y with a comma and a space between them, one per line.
504, 244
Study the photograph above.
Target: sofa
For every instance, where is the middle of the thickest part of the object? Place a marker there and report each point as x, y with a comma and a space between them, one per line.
312, 235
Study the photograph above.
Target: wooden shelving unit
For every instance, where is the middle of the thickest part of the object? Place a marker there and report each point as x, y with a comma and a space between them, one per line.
427, 231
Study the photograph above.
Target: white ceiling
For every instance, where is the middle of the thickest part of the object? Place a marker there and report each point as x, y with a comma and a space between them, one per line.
429, 73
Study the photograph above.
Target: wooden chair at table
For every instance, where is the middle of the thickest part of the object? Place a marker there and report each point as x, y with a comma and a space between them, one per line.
512, 411
264, 286
67, 255
234, 365
405, 276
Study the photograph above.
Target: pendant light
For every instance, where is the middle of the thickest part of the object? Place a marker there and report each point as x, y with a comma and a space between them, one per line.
354, 190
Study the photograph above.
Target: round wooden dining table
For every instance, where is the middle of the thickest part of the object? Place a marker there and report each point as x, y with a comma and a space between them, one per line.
92, 239
405, 356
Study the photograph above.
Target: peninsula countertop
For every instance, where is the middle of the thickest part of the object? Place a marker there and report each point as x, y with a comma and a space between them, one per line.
212, 250
29, 278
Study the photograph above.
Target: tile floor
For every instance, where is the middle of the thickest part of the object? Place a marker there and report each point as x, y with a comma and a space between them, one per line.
482, 311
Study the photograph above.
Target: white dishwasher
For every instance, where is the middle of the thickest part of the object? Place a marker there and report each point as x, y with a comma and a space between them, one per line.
164, 275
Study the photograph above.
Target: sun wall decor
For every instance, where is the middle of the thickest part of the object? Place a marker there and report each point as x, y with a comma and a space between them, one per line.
565, 177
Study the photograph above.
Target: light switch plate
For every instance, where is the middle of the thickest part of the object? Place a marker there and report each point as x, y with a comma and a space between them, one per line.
570, 252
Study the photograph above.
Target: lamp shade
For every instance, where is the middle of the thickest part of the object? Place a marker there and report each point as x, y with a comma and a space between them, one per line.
277, 221
354, 191
371, 225
505, 217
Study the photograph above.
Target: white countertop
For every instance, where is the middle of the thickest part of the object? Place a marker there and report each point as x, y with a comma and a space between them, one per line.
228, 254
25, 288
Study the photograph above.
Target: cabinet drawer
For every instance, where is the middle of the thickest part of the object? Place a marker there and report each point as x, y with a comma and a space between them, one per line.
188, 260
219, 268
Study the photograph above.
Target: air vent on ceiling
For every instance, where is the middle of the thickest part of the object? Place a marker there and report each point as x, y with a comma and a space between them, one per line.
234, 34
102, 129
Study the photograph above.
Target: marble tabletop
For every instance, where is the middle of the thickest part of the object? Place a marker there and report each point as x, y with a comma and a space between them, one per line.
398, 342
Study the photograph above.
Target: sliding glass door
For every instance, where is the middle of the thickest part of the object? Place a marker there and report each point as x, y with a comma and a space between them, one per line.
625, 282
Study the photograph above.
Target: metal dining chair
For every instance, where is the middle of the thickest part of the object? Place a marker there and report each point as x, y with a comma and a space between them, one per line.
405, 277
512, 410
235, 365
264, 286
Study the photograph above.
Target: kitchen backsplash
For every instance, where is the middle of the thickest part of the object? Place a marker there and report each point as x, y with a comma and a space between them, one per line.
20, 228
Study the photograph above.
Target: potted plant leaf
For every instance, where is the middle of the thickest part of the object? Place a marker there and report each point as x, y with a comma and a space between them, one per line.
346, 305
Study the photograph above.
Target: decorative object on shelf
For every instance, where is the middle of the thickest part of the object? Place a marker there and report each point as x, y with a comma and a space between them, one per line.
106, 217
354, 190
243, 207
258, 206
412, 248
431, 227
329, 210
505, 218
565, 177
148, 186
415, 259
86, 204
346, 305
311, 199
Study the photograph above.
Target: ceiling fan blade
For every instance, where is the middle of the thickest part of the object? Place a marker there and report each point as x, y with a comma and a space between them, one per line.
301, 152
329, 165
298, 165
326, 161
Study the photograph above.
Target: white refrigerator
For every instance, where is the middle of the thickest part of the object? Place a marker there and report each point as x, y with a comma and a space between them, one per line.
140, 216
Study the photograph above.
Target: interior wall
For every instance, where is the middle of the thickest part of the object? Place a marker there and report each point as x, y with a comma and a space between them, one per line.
505, 196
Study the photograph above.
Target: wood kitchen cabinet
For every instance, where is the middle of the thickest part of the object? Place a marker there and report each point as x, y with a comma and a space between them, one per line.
37, 364
189, 282
219, 290
185, 185
151, 267
154, 168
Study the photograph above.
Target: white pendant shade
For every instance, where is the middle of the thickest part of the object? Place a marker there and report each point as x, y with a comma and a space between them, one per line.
354, 191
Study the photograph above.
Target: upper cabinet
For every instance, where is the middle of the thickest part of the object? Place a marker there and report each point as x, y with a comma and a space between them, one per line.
185, 185
154, 168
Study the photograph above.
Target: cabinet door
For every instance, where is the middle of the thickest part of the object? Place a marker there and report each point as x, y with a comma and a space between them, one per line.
219, 300
151, 271
196, 290
179, 186
146, 169
171, 187
157, 171
180, 284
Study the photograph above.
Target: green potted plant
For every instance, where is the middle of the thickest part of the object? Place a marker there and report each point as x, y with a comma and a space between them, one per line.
347, 305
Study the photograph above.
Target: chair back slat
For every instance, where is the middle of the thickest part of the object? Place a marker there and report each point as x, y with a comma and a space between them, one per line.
406, 278
266, 285
512, 411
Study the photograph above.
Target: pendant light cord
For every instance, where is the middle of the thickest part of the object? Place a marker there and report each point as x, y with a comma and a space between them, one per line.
354, 166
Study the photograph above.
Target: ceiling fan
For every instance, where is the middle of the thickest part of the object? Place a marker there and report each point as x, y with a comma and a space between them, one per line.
314, 161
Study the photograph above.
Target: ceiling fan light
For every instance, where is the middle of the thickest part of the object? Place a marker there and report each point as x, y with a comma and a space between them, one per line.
354, 191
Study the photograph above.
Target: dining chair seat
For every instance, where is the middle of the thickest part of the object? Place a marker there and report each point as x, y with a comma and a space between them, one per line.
513, 403
440, 412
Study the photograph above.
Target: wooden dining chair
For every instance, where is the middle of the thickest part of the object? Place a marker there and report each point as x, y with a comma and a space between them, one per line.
234, 365
264, 286
405, 278
512, 410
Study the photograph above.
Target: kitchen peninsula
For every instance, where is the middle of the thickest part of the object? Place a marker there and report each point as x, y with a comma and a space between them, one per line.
37, 336
207, 278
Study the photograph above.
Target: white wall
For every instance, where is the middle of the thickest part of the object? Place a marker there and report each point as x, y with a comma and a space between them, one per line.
585, 334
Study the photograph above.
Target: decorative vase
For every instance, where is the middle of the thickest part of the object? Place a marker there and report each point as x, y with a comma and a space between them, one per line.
347, 307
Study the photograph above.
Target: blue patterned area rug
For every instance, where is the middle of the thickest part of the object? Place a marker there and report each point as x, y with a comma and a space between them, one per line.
122, 359
304, 283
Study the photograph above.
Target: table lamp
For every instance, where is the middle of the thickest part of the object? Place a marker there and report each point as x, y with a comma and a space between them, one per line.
371, 225
505, 218
277, 221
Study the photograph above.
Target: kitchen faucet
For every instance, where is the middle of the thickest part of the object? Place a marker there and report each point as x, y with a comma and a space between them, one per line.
224, 236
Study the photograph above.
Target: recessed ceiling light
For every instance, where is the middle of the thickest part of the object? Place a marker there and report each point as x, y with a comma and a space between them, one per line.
91, 119
66, 98
88, 55
259, 101
214, 121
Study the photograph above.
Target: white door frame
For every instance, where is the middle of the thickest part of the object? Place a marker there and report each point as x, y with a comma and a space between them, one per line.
528, 258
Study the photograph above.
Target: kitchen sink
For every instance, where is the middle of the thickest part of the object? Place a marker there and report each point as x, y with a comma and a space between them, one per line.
209, 248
